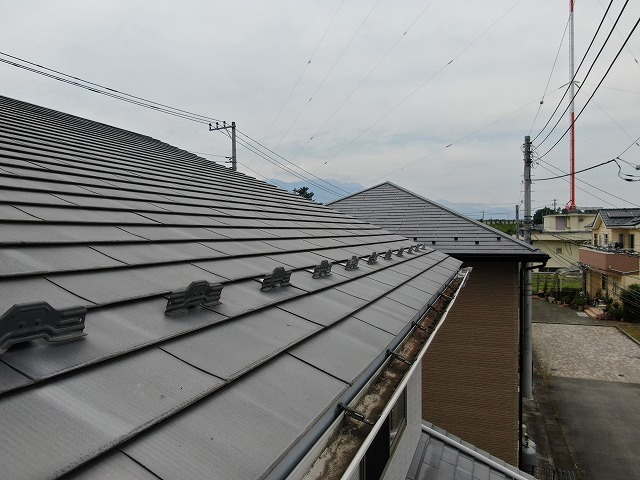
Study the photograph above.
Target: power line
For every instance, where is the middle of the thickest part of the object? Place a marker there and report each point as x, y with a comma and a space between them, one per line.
590, 185
597, 87
573, 80
454, 142
418, 88
291, 163
628, 49
101, 89
366, 77
264, 139
328, 73
579, 171
110, 92
550, 75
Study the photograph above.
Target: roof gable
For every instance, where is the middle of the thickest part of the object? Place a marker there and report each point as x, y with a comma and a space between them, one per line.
413, 216
118, 223
619, 217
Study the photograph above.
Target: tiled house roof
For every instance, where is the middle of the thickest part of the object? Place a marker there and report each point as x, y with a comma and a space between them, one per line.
117, 223
443, 456
413, 216
619, 217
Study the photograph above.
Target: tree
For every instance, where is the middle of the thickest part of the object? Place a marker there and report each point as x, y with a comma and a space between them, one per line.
304, 193
537, 217
630, 297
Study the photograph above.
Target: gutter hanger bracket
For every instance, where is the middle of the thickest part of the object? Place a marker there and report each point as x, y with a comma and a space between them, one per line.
356, 415
397, 356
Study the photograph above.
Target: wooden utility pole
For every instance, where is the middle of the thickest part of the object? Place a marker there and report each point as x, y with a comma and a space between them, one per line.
224, 126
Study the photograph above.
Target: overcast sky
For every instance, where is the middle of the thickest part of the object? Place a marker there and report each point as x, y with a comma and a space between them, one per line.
433, 95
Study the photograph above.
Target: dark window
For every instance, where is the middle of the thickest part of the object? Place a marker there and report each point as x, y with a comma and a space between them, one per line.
379, 452
595, 239
621, 240
632, 241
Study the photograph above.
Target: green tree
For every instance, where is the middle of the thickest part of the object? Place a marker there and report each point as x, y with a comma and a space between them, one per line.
537, 217
304, 193
630, 297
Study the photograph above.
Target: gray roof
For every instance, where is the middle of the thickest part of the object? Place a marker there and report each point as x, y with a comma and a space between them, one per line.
106, 219
620, 217
443, 456
413, 216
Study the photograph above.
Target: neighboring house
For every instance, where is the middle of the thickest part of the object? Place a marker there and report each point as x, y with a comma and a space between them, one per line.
561, 236
611, 259
471, 376
200, 323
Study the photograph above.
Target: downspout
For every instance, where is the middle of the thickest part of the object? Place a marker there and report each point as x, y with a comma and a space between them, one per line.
526, 346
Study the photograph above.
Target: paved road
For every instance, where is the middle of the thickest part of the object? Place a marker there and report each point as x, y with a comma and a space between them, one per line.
594, 383
600, 422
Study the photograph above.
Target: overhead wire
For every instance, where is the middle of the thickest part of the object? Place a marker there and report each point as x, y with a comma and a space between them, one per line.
322, 82
620, 35
103, 90
163, 108
456, 141
590, 185
415, 90
364, 79
273, 153
564, 34
573, 79
264, 139
596, 89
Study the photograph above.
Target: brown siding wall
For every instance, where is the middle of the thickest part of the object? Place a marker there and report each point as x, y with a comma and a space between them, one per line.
470, 379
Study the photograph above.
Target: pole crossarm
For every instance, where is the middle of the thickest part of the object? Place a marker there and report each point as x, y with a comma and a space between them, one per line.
224, 126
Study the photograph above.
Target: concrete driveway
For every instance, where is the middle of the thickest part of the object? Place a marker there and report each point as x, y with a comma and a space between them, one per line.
593, 377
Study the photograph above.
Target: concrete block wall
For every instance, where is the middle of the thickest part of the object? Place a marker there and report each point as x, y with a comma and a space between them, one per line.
470, 380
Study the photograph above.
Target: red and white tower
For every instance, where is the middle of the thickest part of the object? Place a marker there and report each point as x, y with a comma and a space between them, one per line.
571, 205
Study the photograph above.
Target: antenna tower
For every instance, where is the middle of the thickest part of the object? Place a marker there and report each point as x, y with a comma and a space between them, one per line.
571, 205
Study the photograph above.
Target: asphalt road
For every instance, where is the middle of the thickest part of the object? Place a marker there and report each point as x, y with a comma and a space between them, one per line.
601, 422
593, 379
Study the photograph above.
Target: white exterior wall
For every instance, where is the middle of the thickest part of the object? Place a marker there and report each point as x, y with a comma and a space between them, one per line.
402, 455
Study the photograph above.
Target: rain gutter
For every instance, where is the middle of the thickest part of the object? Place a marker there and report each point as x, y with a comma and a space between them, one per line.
334, 414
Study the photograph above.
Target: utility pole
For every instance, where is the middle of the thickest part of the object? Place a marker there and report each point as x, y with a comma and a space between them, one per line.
518, 222
527, 354
224, 126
